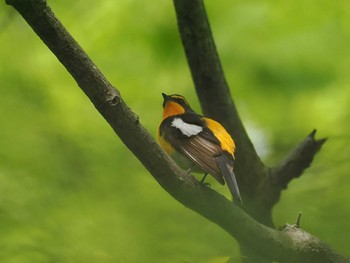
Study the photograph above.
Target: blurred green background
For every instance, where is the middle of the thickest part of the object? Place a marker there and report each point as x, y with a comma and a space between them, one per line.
70, 191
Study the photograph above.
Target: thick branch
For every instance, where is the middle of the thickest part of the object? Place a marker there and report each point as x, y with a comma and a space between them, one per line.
297, 160
107, 100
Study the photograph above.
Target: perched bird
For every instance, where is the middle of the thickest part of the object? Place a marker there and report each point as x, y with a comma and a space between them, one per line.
197, 143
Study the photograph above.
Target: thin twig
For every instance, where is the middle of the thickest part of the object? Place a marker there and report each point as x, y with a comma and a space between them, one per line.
297, 223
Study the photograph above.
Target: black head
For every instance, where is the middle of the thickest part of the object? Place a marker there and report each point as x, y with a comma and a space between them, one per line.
178, 99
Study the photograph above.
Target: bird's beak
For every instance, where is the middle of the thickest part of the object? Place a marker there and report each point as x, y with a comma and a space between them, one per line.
165, 97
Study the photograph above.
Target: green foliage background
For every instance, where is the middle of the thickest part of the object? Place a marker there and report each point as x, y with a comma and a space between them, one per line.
70, 191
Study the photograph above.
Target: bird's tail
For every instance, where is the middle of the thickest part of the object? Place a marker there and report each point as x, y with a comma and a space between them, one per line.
226, 168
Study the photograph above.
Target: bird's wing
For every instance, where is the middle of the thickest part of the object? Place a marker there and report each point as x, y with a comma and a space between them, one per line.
210, 158
203, 153
188, 135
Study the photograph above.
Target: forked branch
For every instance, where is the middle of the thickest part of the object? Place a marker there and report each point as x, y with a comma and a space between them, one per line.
273, 244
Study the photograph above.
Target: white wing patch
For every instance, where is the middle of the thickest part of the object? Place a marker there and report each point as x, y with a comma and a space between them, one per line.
186, 128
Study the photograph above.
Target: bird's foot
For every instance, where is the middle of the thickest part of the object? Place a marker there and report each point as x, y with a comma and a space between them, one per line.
205, 175
202, 181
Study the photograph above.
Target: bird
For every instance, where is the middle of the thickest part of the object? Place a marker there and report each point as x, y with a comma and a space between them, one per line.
197, 143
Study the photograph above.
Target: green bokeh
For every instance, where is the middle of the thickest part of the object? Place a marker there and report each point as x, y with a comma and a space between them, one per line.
70, 191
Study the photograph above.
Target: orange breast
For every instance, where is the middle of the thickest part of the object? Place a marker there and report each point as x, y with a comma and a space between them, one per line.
172, 108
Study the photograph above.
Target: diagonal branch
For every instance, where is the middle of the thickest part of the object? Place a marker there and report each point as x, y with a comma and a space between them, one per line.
297, 160
281, 246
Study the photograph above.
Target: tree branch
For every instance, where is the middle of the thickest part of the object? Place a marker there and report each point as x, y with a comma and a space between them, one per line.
297, 160
276, 245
